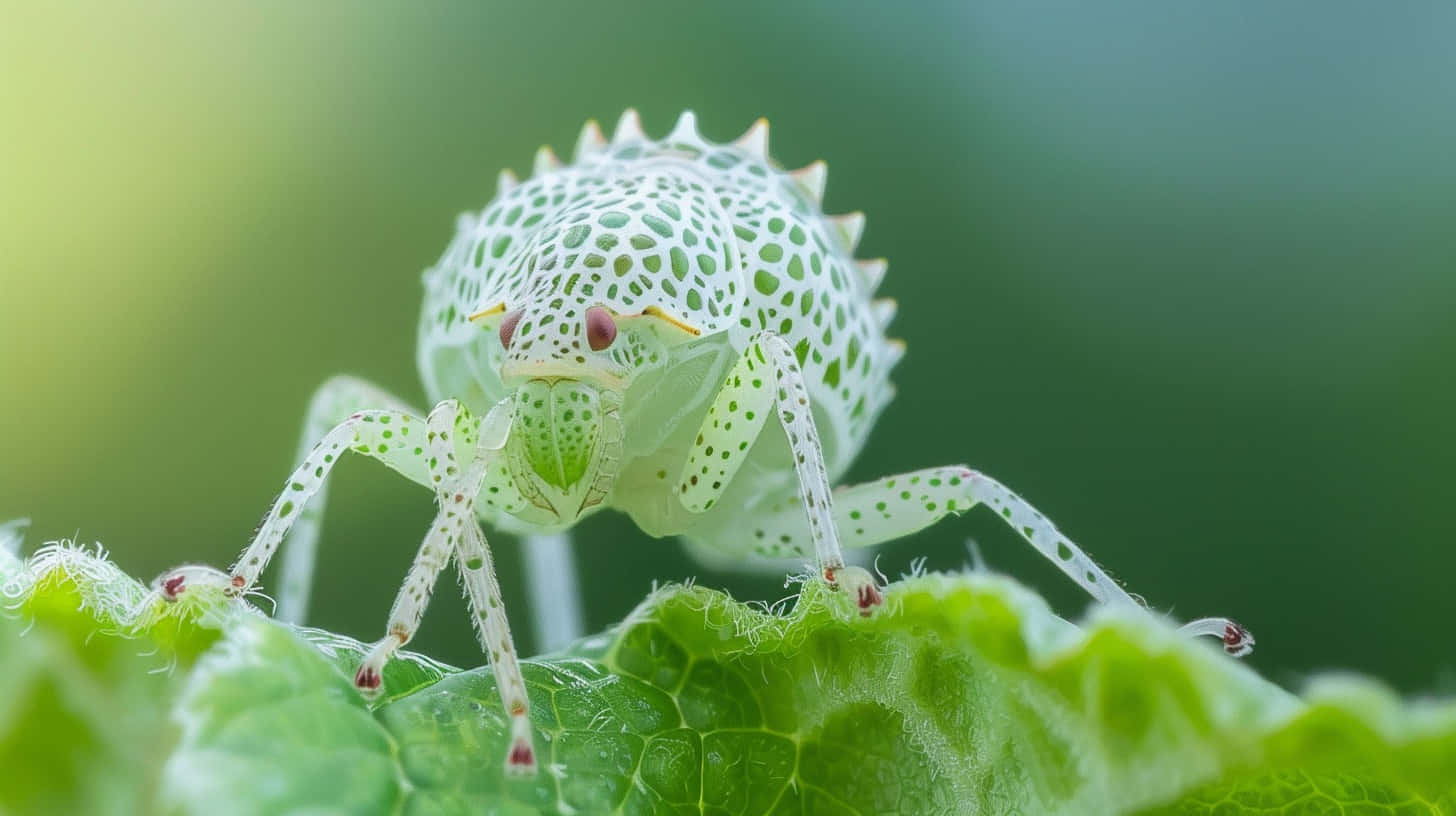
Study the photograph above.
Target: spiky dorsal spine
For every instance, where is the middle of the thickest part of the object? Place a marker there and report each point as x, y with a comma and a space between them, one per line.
812, 177
546, 161
754, 141
850, 226
590, 142
884, 311
686, 129
895, 348
629, 128
871, 272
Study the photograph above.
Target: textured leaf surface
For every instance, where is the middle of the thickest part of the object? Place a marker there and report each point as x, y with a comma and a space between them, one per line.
966, 696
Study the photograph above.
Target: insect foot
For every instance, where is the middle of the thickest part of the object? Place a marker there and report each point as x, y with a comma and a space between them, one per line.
859, 585
521, 761
1237, 641
369, 679
171, 585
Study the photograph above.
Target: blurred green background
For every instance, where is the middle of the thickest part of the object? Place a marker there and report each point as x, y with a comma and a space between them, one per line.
1184, 275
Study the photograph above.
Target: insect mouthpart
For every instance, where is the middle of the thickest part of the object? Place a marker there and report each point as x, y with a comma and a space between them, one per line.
565, 444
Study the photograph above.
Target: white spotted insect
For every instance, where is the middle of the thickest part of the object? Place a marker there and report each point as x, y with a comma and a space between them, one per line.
671, 328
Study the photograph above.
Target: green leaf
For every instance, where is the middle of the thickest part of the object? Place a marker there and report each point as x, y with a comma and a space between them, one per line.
967, 695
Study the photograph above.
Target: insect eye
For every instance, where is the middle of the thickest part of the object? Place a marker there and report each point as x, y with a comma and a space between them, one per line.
508, 327
601, 329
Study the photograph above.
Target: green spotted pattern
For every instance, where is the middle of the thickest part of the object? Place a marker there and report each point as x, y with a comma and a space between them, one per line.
559, 429
734, 420
714, 236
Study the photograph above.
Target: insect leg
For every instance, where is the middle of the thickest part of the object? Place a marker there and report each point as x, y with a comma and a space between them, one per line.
555, 597
477, 569
445, 473
733, 422
768, 376
393, 437
896, 506
331, 404
410, 603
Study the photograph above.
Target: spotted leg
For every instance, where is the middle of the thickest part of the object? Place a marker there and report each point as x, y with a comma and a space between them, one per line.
896, 506
550, 567
332, 403
439, 544
410, 603
472, 557
458, 481
393, 437
767, 377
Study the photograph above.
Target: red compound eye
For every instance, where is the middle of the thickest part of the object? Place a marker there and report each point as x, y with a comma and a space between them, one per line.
508, 327
601, 329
